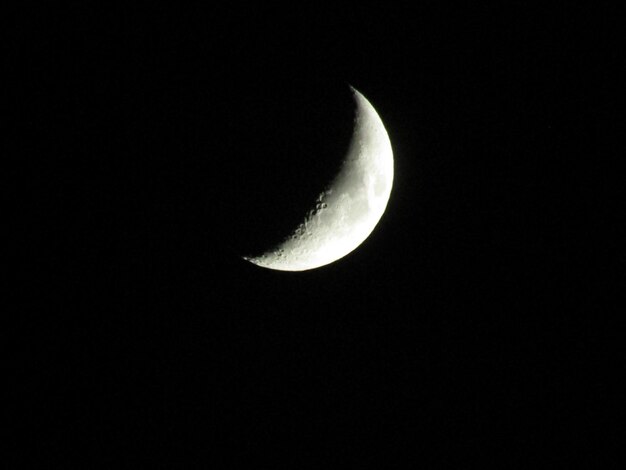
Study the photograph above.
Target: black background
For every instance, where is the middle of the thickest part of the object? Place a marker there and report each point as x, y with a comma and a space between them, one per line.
161, 142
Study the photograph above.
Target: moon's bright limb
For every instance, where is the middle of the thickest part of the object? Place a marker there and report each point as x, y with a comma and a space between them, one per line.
347, 211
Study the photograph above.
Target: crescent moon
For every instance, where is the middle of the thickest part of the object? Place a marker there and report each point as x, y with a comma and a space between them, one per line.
346, 212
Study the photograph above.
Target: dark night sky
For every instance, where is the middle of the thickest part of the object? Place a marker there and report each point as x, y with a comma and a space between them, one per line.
172, 139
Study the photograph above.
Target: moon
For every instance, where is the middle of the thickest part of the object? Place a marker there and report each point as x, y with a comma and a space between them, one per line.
349, 208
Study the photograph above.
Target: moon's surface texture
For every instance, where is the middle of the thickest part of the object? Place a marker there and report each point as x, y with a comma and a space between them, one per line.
347, 210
